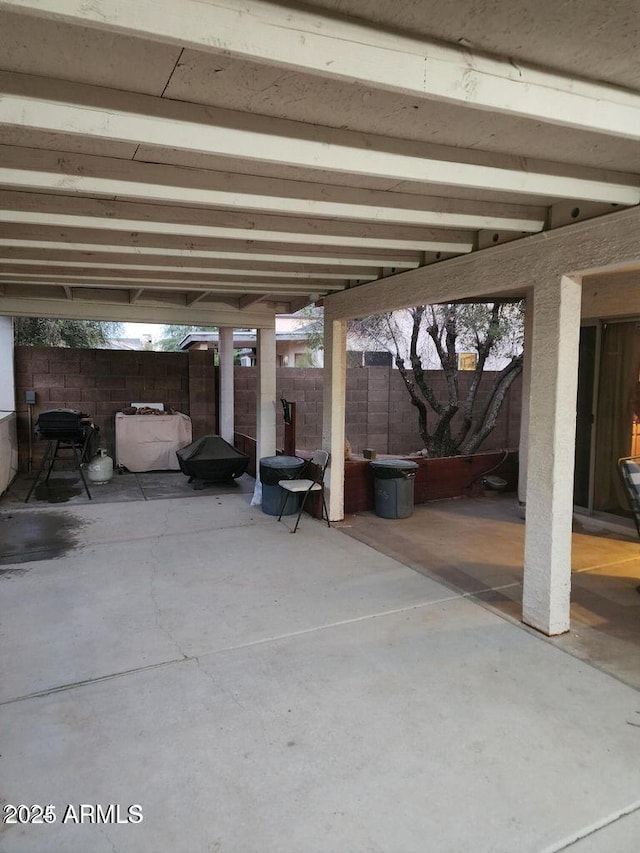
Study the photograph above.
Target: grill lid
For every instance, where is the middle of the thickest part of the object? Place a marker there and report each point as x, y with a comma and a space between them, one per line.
61, 424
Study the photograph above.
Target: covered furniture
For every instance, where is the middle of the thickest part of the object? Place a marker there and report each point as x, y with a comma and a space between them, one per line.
150, 442
310, 479
212, 459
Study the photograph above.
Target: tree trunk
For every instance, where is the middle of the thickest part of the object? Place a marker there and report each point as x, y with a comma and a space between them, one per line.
489, 415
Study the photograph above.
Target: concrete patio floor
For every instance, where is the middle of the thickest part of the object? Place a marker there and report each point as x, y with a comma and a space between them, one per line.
66, 487
257, 691
477, 547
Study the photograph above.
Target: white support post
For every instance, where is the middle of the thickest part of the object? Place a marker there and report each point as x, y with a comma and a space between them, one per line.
7, 381
266, 394
525, 407
333, 429
226, 383
554, 381
8, 434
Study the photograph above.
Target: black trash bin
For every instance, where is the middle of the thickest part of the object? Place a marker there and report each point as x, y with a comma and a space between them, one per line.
272, 470
393, 487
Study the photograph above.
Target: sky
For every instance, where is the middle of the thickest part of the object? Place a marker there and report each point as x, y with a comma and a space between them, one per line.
135, 330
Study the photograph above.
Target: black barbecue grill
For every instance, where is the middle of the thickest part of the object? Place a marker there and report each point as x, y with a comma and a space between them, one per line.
63, 429
63, 425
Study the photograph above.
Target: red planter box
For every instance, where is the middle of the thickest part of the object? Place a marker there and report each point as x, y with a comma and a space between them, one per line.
451, 477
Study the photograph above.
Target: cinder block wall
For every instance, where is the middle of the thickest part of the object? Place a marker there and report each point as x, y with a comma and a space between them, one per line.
98, 382
102, 382
379, 413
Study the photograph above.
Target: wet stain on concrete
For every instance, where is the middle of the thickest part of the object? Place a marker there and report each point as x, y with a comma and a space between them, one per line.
32, 536
57, 492
8, 573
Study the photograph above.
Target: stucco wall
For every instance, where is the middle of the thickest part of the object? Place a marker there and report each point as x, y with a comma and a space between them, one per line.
8, 450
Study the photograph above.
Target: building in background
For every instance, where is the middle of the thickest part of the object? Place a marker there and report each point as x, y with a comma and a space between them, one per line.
292, 343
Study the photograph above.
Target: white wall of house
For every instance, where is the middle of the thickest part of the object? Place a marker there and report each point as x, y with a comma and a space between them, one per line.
8, 451
8, 437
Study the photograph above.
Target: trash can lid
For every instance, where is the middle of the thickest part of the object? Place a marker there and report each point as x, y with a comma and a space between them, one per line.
281, 461
275, 468
387, 467
405, 464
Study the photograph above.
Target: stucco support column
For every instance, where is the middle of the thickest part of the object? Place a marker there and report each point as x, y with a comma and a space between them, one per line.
7, 380
525, 407
334, 398
227, 413
549, 494
266, 394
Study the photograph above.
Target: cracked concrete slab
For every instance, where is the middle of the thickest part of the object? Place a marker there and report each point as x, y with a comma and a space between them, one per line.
621, 835
181, 579
257, 691
444, 723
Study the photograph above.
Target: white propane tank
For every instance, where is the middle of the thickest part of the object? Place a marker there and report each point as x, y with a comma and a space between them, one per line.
100, 469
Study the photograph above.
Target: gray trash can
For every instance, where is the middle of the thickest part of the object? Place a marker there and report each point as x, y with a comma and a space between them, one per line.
393, 487
272, 470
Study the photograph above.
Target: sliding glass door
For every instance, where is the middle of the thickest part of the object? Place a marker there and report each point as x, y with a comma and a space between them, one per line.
617, 412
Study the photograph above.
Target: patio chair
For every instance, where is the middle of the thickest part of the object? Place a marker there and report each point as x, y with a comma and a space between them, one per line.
629, 468
310, 479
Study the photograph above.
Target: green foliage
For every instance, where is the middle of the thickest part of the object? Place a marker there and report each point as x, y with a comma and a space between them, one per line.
85, 334
314, 328
172, 335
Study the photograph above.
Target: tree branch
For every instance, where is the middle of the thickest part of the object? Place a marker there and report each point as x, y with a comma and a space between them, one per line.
487, 419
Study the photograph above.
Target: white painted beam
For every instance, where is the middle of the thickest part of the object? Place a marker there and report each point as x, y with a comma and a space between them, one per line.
85, 309
347, 50
69, 212
56, 107
46, 171
118, 282
550, 463
87, 267
160, 251
333, 412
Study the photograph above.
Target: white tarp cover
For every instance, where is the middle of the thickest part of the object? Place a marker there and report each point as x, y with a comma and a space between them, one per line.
149, 442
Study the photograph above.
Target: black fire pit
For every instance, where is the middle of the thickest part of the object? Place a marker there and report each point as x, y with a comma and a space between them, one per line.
211, 459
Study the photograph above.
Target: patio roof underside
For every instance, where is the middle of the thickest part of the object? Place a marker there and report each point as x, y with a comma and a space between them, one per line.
207, 162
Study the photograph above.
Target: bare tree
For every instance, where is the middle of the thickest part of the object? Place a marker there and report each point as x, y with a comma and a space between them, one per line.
431, 336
